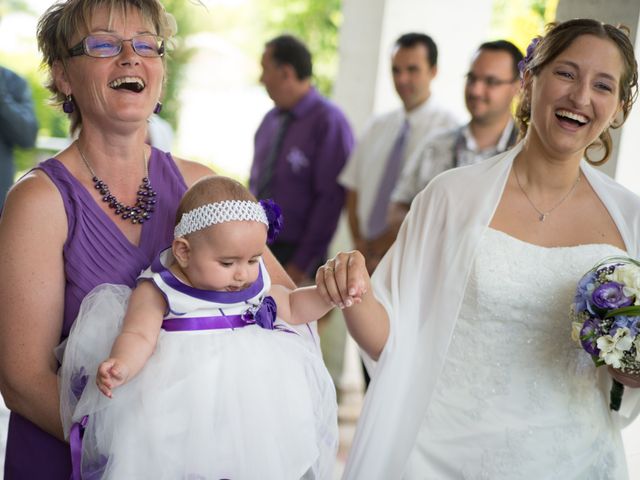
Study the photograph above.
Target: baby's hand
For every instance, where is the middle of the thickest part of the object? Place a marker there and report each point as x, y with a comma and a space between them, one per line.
111, 374
343, 280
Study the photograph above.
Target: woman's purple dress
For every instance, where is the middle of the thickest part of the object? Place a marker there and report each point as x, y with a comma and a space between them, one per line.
95, 252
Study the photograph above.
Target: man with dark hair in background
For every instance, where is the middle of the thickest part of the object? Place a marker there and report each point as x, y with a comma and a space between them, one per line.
389, 140
301, 146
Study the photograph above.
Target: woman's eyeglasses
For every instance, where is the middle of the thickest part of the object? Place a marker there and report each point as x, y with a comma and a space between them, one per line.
105, 45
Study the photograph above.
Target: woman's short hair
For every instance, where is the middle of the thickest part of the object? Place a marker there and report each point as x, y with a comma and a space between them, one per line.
558, 37
64, 19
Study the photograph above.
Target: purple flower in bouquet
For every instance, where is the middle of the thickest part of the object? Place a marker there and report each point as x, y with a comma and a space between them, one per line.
632, 323
610, 296
589, 336
583, 291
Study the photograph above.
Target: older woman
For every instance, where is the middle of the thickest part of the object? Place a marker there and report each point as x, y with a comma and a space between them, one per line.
97, 212
477, 375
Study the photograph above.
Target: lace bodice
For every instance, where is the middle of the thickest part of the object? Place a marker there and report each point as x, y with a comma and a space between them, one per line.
516, 397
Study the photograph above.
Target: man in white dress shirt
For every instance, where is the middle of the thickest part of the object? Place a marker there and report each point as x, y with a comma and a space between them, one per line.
492, 83
389, 140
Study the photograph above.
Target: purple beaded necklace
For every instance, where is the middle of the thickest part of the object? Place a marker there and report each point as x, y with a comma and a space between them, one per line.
145, 203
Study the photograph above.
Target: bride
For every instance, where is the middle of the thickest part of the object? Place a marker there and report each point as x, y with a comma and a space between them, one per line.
476, 373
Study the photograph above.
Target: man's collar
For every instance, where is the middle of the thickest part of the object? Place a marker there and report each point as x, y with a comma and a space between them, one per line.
501, 146
304, 104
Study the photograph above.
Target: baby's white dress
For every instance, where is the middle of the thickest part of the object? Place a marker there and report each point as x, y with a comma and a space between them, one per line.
244, 402
517, 398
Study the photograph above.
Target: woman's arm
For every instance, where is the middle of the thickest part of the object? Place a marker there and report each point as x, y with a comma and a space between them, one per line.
344, 281
33, 229
137, 341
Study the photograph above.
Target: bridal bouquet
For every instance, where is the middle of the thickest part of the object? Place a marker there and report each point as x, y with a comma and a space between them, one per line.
605, 317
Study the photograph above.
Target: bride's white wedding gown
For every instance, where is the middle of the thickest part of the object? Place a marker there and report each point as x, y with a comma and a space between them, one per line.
517, 398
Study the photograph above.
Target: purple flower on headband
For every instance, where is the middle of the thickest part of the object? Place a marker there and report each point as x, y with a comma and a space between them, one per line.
274, 217
522, 64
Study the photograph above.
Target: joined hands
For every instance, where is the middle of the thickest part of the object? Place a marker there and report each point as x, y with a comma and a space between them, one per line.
343, 280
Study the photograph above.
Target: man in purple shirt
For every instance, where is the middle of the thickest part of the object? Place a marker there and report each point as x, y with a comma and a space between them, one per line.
301, 146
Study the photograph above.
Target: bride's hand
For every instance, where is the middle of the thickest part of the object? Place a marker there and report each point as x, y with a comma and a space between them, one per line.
343, 279
627, 379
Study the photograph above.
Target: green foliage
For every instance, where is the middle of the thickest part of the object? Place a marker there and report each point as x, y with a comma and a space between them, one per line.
519, 21
179, 54
316, 22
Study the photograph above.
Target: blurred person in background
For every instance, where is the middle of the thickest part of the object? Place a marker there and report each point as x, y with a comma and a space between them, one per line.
18, 124
300, 148
389, 140
492, 83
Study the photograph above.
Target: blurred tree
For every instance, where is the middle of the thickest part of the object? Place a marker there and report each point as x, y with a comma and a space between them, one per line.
186, 15
316, 22
519, 21
7, 6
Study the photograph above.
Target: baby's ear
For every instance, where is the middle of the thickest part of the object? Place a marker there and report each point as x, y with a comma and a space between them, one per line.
181, 251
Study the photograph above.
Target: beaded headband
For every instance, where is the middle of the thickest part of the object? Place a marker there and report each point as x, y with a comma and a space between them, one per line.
266, 211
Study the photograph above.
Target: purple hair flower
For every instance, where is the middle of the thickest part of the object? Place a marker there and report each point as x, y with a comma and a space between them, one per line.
610, 296
522, 64
274, 217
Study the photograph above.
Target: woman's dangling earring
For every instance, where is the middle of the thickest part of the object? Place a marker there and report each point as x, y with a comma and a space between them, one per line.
67, 105
158, 108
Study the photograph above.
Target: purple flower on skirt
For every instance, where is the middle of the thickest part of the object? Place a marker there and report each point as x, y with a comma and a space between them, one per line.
632, 323
589, 336
609, 296
95, 471
78, 382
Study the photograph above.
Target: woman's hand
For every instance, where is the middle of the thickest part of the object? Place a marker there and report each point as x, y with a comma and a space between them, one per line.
627, 379
343, 280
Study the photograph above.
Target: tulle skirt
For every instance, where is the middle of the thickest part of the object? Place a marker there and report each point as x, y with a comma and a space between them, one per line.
235, 404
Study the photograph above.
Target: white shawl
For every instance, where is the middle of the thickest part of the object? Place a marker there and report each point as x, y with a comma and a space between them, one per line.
421, 282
